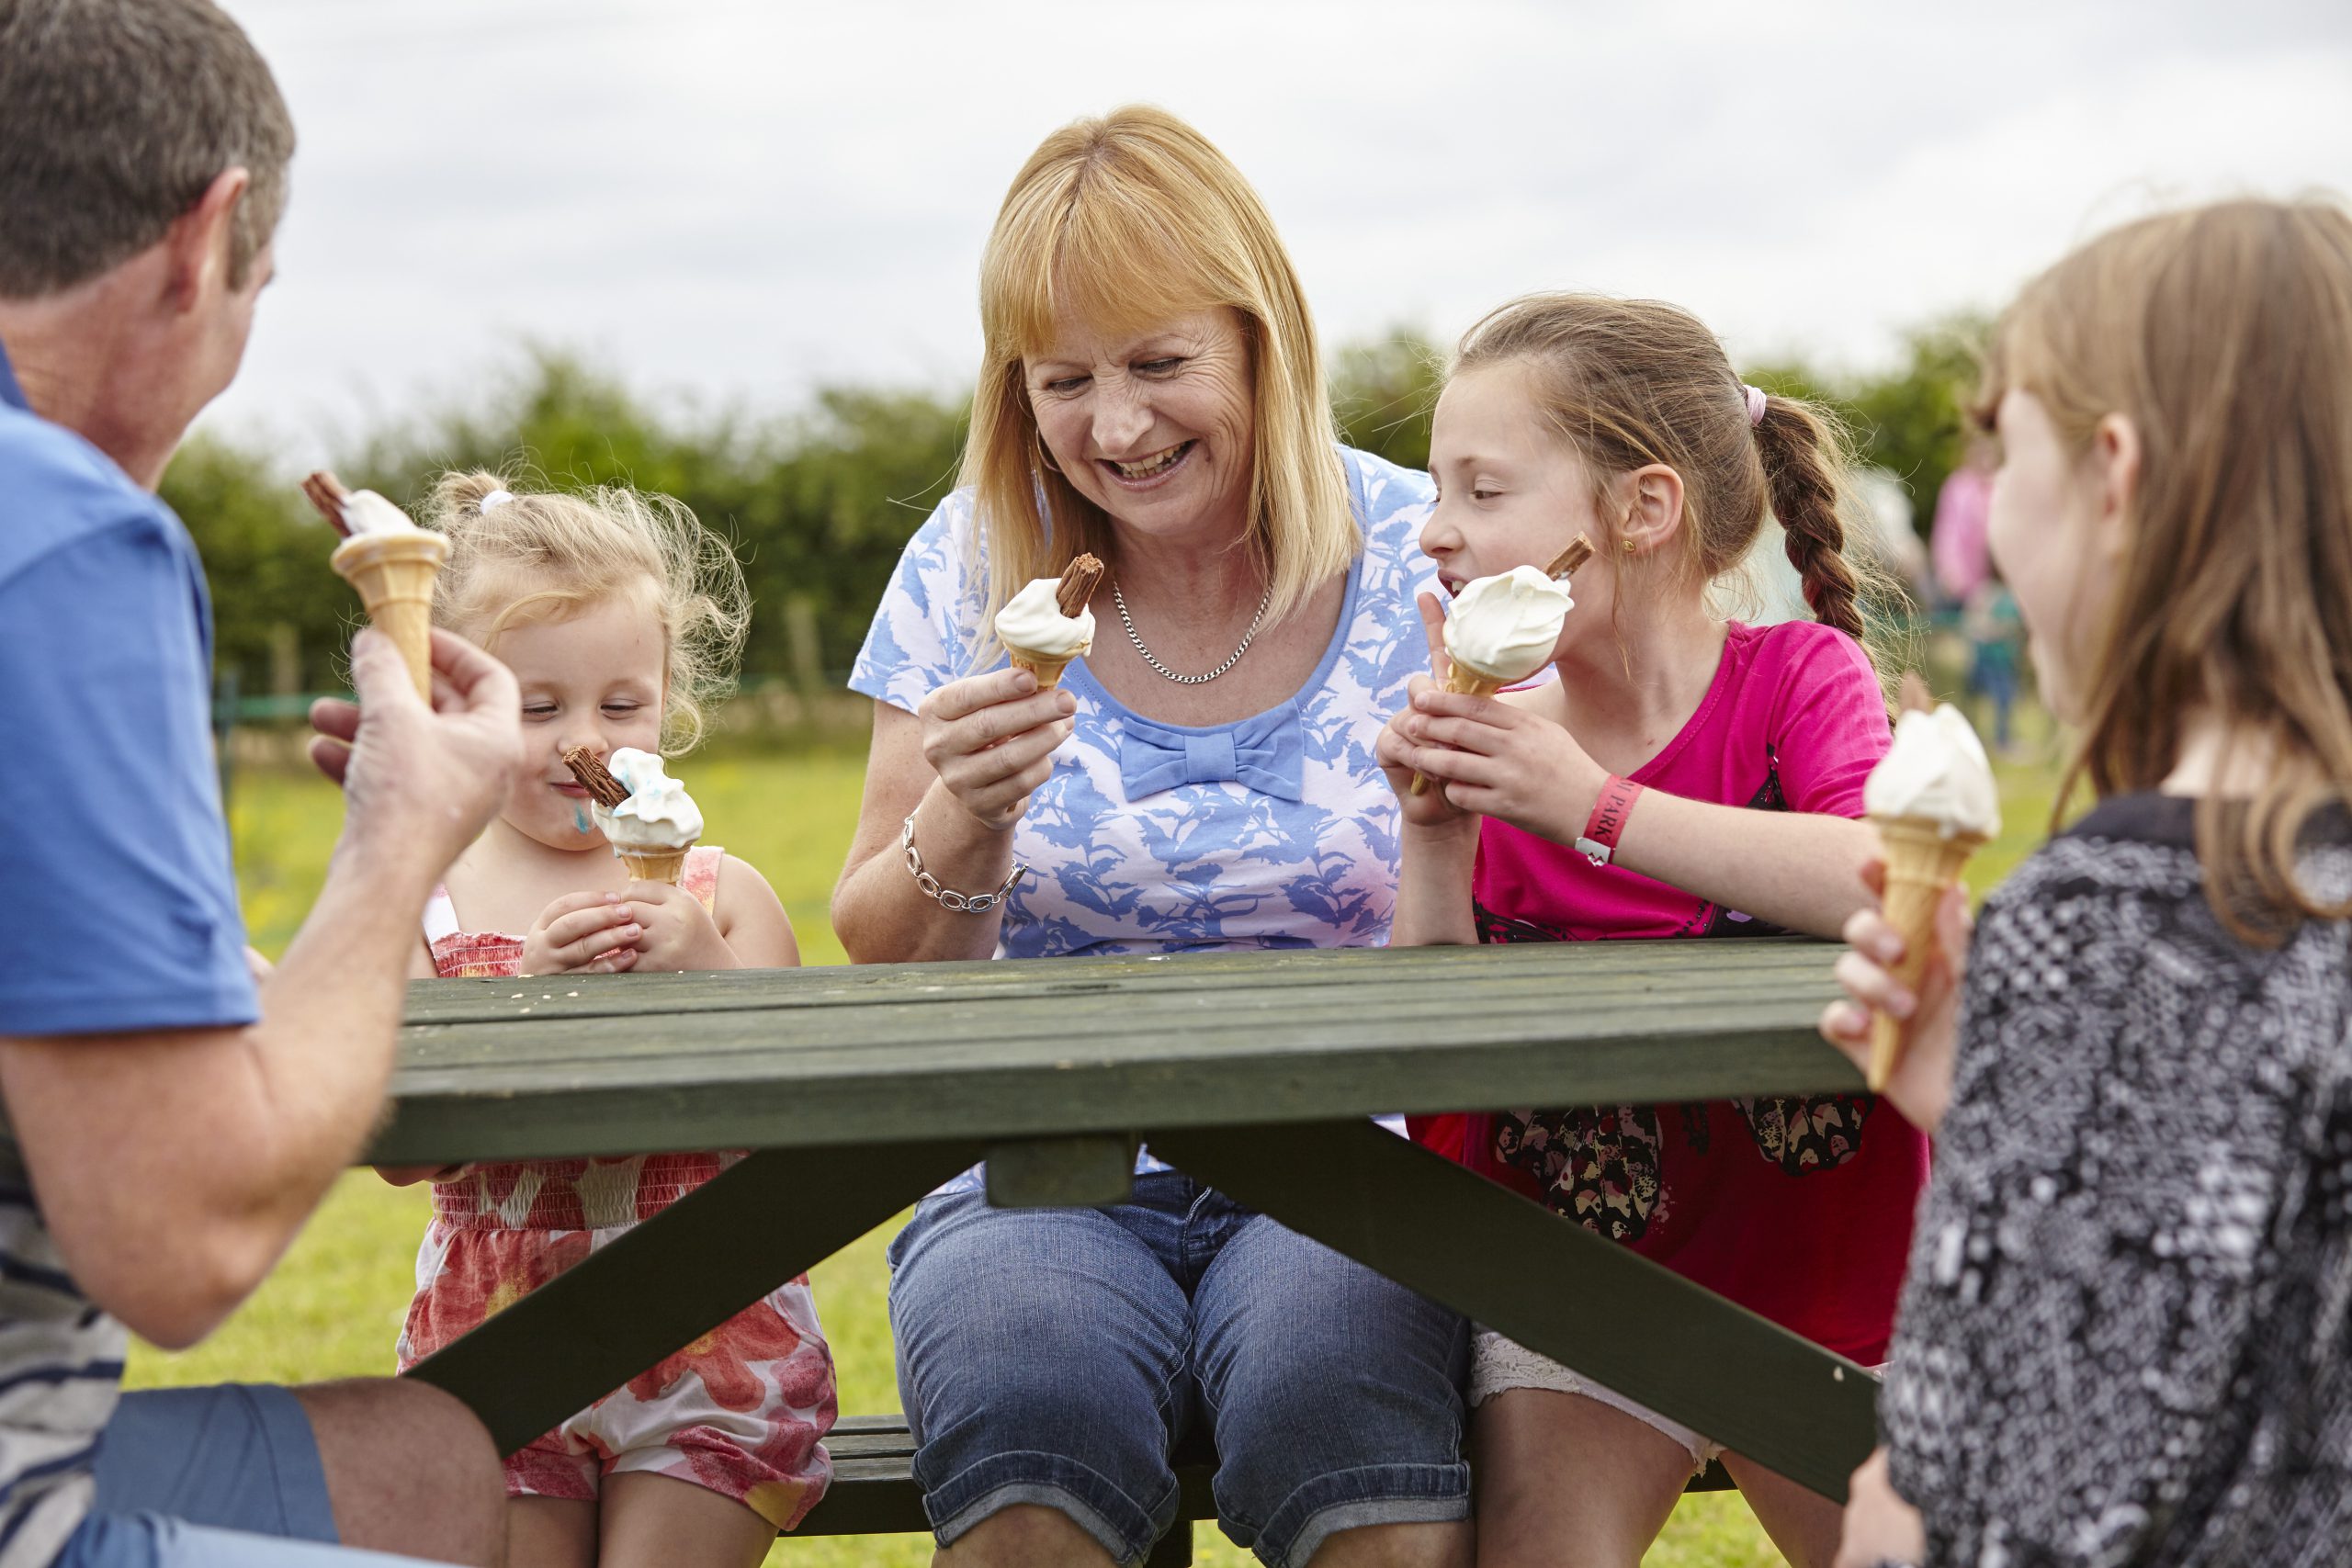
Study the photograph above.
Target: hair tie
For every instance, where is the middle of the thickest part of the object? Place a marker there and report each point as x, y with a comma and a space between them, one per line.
494, 499
1755, 403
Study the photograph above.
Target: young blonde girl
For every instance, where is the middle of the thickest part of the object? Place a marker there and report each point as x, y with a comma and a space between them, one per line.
2123, 1336
1683, 776
619, 615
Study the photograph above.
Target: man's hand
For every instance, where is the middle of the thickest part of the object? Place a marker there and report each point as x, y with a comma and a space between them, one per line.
419, 783
678, 934
582, 933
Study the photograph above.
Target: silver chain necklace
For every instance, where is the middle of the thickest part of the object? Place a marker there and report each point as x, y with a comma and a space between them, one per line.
1120, 599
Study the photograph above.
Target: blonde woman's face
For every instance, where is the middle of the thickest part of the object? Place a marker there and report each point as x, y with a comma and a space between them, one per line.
595, 681
2046, 535
1159, 430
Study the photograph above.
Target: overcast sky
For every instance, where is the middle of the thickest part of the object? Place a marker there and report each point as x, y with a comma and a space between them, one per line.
731, 200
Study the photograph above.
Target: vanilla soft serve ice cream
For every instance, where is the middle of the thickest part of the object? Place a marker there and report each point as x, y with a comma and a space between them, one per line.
366, 514
658, 815
1506, 626
1936, 771
1033, 622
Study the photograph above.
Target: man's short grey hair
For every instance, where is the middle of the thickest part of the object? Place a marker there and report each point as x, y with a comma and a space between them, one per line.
116, 116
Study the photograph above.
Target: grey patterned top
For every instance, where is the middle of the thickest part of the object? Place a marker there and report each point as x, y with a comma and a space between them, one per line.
2123, 1335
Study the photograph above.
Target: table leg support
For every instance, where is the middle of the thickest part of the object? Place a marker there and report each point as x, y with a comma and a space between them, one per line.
774, 1215
1551, 1284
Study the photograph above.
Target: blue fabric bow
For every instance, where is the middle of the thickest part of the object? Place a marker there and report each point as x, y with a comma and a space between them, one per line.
1267, 753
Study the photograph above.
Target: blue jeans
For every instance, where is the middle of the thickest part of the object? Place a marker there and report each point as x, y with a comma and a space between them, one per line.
1057, 1357
225, 1477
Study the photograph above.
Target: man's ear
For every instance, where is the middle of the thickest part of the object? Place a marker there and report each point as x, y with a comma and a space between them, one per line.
196, 244
2115, 461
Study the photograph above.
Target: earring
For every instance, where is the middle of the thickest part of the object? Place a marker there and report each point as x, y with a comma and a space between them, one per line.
1037, 443
1629, 547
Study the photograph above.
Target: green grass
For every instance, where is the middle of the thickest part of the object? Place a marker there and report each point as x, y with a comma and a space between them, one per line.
334, 1306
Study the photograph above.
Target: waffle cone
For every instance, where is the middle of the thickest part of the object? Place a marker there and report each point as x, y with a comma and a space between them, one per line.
1465, 681
654, 865
394, 574
1046, 667
1922, 864
1462, 681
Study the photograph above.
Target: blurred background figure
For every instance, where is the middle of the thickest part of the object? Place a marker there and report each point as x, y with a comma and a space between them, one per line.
1995, 636
1957, 542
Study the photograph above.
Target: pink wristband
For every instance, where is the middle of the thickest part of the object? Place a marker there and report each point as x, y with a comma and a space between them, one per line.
1607, 824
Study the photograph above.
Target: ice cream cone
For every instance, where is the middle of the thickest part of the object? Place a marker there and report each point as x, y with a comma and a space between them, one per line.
1922, 862
654, 864
394, 574
1046, 667
1462, 681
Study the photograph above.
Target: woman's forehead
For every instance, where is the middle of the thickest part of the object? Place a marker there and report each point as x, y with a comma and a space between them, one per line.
1089, 337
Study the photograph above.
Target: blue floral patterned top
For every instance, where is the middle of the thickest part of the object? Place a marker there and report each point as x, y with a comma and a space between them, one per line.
1277, 830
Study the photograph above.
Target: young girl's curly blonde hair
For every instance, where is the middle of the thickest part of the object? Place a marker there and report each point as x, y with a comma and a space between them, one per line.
543, 556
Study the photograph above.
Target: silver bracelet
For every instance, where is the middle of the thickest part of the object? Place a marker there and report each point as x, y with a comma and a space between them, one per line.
947, 898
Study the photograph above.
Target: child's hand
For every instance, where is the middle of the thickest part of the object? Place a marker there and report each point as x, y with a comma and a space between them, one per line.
582, 933
1394, 749
677, 932
1499, 760
1879, 1526
1921, 1085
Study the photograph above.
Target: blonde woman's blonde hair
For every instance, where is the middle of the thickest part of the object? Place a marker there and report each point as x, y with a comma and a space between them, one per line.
2225, 334
544, 556
1125, 223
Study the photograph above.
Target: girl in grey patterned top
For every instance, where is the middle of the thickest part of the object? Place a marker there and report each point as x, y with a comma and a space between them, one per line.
2127, 1333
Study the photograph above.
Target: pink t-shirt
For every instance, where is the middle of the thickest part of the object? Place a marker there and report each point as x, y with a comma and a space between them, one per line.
1796, 1208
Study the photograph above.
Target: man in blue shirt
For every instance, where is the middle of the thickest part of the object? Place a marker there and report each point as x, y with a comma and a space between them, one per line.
172, 1121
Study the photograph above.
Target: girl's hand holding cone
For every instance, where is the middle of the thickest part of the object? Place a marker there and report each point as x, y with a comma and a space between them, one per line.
1487, 756
1920, 1084
1424, 804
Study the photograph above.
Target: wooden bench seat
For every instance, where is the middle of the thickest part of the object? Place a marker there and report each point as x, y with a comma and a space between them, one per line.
874, 1491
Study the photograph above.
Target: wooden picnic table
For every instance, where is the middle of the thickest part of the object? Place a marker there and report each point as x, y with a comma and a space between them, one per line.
860, 1088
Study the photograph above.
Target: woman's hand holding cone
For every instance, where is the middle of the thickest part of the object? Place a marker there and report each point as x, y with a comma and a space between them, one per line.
1921, 1084
990, 739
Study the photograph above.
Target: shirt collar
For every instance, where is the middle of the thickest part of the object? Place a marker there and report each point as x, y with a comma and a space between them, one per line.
10, 394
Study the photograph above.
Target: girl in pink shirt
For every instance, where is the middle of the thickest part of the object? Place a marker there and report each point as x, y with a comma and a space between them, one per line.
1685, 775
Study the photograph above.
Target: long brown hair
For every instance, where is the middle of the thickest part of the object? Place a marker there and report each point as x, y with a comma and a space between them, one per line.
1125, 223
1631, 383
2225, 334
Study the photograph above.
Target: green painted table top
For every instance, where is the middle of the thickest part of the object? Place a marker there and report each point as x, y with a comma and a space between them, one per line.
499, 1069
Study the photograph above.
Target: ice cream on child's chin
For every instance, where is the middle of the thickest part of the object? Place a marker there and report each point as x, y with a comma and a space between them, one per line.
658, 815
1506, 627
1936, 771
1033, 622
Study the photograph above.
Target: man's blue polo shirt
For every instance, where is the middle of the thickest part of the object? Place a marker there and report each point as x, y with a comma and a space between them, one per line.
113, 851
113, 860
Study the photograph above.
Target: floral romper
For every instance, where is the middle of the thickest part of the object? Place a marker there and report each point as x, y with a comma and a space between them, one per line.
740, 1411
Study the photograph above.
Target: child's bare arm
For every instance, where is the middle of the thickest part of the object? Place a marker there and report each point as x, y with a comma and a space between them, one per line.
752, 922
1794, 869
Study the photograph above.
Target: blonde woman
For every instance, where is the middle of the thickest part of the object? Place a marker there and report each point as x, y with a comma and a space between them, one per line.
1202, 779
